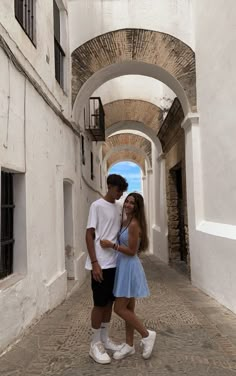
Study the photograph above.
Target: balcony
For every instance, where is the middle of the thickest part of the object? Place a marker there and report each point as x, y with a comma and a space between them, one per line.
96, 119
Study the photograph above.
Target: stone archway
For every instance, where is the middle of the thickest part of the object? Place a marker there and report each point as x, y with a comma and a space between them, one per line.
136, 127
139, 52
128, 145
126, 155
134, 110
135, 51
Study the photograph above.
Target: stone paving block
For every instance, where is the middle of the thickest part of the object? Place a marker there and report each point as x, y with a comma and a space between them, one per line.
8, 369
19, 357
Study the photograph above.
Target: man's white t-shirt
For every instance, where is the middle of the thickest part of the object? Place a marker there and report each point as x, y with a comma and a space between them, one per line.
105, 218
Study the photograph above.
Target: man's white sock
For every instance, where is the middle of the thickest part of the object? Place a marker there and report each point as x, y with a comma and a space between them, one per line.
104, 331
96, 337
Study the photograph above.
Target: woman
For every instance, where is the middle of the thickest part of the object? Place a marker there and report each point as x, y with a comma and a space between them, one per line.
130, 279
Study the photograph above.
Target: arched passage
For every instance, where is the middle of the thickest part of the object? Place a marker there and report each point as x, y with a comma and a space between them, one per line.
132, 172
126, 155
150, 185
134, 51
137, 128
127, 142
134, 110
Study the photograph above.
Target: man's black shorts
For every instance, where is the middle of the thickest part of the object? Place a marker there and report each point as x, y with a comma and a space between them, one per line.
102, 291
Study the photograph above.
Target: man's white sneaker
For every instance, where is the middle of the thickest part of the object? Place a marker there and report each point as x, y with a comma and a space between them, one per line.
148, 343
110, 345
98, 353
126, 350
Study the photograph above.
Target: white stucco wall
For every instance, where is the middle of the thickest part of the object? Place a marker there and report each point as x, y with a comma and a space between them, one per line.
213, 233
89, 18
216, 89
11, 97
44, 152
39, 57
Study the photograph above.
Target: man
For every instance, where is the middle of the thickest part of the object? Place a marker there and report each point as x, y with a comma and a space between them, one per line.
103, 223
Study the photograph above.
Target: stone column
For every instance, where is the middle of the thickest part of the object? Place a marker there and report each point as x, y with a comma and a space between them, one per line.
150, 206
163, 251
195, 204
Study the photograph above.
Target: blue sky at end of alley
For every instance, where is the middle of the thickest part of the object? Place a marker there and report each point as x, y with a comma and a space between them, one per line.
131, 172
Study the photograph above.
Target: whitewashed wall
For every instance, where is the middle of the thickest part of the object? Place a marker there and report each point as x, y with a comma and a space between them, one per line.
35, 57
213, 240
43, 153
89, 18
43, 147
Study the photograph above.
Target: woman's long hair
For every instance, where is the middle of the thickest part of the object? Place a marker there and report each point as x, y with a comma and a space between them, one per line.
139, 214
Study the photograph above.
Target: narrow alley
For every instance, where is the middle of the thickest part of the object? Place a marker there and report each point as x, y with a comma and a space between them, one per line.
195, 334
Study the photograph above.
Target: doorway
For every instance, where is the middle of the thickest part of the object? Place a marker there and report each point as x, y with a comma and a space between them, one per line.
177, 220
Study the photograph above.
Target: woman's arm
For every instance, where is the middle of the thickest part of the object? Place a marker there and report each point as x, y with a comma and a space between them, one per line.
133, 239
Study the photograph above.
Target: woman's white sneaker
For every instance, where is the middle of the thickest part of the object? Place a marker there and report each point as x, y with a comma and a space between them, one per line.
98, 353
148, 343
126, 350
110, 345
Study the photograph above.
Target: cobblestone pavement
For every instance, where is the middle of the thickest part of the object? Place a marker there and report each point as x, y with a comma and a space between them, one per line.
195, 334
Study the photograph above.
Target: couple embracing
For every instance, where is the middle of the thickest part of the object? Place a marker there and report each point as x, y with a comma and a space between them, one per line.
117, 275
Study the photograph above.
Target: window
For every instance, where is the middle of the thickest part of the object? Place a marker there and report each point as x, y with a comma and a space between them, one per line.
7, 213
82, 150
24, 13
58, 51
91, 157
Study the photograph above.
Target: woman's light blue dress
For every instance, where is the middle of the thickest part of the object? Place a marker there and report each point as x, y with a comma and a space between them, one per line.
130, 279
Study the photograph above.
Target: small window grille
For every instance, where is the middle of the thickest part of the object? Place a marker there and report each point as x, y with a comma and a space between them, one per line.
24, 13
7, 212
92, 175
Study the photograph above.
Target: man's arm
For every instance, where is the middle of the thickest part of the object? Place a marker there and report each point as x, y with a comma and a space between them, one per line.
96, 269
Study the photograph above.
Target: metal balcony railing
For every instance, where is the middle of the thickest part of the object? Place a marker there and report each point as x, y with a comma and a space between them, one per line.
96, 119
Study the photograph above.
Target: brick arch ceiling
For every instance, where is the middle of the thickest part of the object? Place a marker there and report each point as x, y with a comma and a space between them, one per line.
133, 110
127, 140
152, 47
125, 155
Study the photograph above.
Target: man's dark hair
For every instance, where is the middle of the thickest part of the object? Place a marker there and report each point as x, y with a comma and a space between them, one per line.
117, 181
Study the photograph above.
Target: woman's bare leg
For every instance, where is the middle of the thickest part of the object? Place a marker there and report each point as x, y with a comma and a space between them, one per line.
121, 309
129, 329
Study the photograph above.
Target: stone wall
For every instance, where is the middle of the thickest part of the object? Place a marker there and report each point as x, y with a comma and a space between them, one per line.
172, 139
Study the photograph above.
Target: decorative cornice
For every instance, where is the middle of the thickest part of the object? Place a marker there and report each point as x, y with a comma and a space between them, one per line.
161, 157
189, 120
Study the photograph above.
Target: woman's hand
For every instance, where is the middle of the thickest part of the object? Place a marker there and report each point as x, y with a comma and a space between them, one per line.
106, 243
